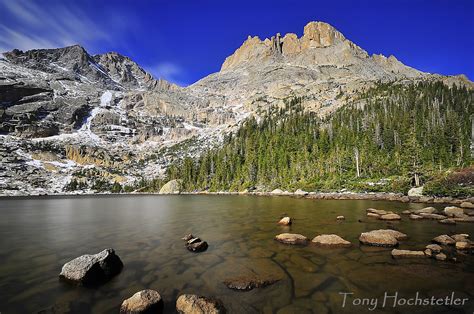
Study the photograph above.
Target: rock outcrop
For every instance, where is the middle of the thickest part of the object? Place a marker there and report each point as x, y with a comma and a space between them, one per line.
172, 187
92, 269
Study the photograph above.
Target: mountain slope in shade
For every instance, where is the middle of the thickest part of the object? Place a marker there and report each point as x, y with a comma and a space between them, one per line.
64, 112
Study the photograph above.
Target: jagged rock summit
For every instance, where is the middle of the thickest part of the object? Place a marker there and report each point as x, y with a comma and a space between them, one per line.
320, 45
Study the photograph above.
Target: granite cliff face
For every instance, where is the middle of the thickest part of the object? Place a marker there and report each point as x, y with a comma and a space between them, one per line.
73, 121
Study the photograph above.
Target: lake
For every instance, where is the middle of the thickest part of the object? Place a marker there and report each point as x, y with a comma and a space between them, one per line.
39, 235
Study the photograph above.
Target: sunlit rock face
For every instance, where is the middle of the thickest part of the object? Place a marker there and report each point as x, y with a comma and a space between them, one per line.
125, 125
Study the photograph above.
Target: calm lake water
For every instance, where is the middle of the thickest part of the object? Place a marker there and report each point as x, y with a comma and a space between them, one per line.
37, 236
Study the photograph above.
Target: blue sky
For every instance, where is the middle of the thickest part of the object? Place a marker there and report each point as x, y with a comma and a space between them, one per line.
184, 41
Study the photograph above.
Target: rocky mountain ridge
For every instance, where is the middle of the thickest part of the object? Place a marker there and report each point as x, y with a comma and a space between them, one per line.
67, 114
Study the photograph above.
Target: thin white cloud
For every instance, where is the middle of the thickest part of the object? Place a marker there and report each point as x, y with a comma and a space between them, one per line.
169, 71
37, 26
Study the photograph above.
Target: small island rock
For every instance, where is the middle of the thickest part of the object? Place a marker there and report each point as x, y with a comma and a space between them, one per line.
292, 238
285, 221
382, 237
331, 241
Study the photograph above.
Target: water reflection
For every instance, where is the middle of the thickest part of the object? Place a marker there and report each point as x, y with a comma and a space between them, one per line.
38, 235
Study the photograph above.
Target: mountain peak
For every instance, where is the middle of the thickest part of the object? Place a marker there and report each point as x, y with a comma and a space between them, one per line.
315, 35
320, 34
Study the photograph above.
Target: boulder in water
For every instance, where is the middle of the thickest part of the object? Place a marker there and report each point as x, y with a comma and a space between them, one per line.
444, 239
145, 301
195, 244
285, 221
292, 238
193, 304
382, 237
330, 241
92, 269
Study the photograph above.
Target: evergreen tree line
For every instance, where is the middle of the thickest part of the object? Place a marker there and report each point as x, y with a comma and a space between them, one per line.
392, 137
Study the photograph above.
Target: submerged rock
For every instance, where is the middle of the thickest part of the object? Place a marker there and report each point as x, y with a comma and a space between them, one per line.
285, 221
92, 269
193, 304
331, 240
407, 254
447, 221
382, 237
145, 301
444, 239
247, 283
292, 238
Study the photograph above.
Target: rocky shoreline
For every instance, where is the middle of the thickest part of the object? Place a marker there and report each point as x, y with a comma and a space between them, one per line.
371, 196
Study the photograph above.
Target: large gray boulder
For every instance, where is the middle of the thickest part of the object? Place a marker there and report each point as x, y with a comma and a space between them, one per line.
416, 191
194, 304
172, 187
92, 269
143, 302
